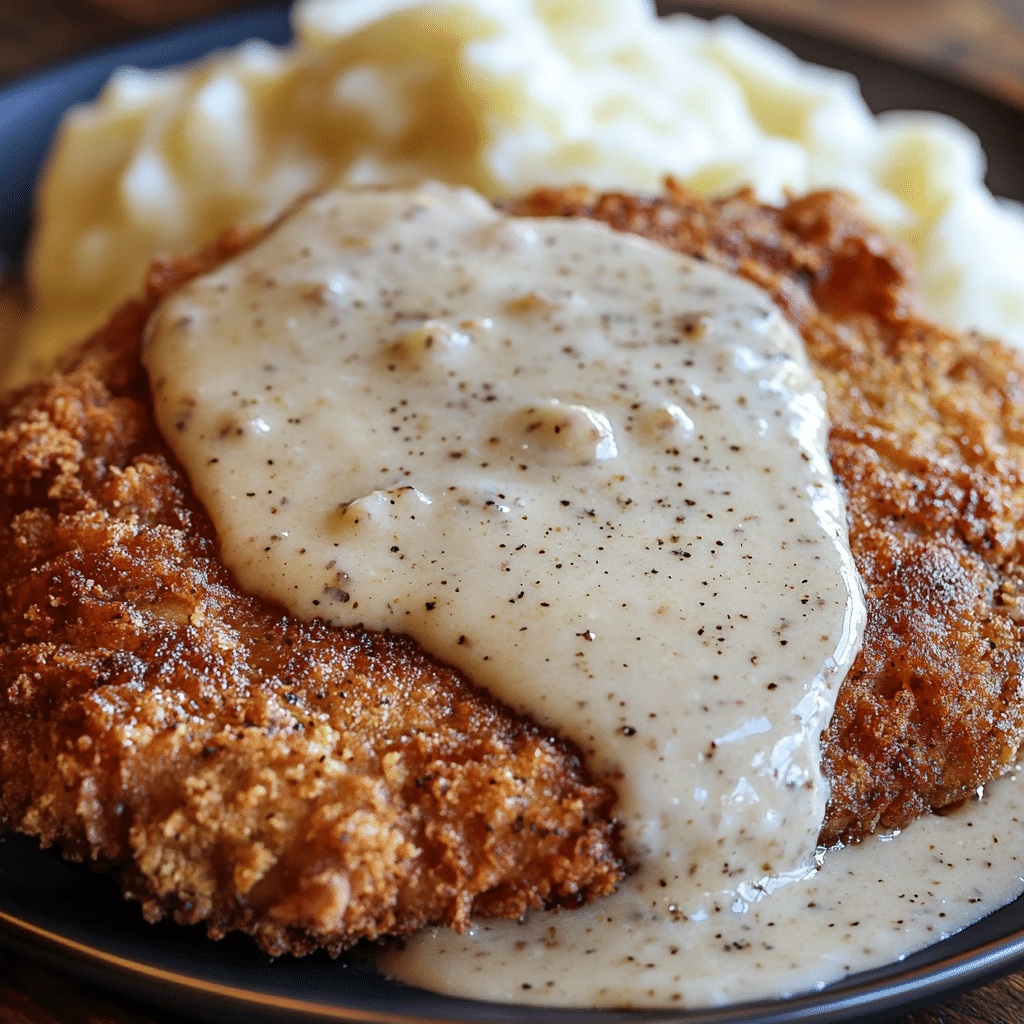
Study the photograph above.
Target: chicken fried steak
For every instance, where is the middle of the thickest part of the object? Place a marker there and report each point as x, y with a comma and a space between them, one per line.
313, 786
927, 438
235, 766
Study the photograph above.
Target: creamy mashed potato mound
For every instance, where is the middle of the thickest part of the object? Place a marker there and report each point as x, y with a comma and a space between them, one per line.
502, 95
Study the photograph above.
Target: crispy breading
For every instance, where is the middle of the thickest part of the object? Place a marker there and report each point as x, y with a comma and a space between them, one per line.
927, 438
313, 786
235, 766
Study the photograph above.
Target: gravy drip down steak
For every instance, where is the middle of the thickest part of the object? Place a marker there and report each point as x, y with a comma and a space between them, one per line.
204, 744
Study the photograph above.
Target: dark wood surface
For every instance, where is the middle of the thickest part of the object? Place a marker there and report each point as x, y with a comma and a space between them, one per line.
979, 41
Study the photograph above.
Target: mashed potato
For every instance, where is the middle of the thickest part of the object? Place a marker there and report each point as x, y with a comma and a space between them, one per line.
502, 95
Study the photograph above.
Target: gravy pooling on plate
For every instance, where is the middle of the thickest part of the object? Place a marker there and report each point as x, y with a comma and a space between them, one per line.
869, 905
587, 471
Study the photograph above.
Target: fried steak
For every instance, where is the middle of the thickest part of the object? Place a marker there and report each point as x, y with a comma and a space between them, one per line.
314, 786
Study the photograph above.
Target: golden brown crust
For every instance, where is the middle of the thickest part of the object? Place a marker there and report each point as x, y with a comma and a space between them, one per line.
236, 767
312, 786
927, 438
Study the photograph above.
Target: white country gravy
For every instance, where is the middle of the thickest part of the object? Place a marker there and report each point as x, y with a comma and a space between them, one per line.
586, 471
869, 905
583, 469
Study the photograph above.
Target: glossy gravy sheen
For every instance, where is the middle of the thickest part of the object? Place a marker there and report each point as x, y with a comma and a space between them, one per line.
588, 472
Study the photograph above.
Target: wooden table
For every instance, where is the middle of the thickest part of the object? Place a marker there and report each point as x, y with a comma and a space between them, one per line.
980, 41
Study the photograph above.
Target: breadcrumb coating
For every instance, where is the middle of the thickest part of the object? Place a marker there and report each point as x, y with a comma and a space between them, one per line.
314, 786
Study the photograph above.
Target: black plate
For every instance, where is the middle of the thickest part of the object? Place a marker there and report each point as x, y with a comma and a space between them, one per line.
76, 921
